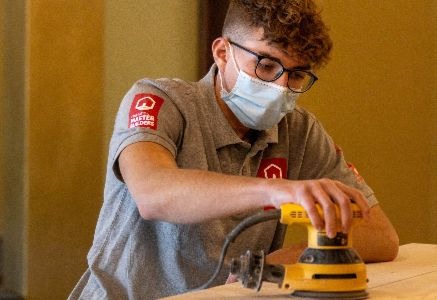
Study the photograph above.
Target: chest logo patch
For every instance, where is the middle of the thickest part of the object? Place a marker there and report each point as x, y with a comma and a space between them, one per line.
273, 168
144, 111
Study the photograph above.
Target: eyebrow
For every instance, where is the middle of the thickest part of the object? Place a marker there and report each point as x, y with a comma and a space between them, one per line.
298, 67
305, 67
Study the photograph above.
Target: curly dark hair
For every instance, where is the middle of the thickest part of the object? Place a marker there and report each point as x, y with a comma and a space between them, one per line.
294, 25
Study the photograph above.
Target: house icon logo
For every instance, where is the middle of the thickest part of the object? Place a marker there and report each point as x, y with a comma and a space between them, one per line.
275, 167
145, 103
273, 171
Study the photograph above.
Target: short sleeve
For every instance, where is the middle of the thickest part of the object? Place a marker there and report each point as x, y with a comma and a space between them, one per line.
146, 114
324, 159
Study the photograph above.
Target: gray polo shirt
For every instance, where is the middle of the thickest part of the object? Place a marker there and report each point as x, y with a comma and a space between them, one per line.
133, 258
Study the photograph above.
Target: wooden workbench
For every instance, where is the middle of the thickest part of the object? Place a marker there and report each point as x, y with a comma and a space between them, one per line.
412, 275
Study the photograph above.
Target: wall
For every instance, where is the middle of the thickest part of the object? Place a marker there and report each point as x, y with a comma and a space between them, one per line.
433, 142
377, 98
433, 128
64, 117
12, 135
154, 38
52, 142
2, 88
57, 116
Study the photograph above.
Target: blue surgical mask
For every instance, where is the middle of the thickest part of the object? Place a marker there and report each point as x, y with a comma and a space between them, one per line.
258, 104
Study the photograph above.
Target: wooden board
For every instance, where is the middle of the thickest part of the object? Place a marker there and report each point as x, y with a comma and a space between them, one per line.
412, 275
413, 260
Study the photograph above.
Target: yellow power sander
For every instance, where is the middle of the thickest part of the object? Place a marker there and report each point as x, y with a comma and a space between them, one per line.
329, 268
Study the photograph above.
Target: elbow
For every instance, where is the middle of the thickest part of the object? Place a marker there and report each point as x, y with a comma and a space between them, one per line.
377, 244
387, 249
379, 239
151, 211
150, 208
146, 212
149, 200
392, 247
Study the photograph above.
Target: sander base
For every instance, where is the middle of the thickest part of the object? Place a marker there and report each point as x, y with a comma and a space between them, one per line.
351, 295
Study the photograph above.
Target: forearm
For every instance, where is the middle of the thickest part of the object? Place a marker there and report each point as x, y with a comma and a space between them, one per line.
163, 191
190, 196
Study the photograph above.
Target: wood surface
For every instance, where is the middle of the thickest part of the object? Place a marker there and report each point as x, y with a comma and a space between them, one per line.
412, 275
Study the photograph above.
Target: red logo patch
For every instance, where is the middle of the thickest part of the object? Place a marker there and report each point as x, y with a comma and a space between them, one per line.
144, 111
273, 168
354, 170
337, 148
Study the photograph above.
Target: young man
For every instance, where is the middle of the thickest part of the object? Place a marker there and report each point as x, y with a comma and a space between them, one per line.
188, 161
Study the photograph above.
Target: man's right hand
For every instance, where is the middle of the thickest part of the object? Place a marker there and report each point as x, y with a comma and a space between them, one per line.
326, 193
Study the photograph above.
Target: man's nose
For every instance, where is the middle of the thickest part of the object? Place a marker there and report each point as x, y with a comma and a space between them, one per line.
282, 80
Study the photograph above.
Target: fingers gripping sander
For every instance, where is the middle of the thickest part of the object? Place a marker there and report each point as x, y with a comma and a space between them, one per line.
327, 268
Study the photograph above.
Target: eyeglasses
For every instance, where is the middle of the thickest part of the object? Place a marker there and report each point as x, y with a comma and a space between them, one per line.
270, 69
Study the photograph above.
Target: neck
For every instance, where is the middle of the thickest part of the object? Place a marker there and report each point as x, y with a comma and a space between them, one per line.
241, 130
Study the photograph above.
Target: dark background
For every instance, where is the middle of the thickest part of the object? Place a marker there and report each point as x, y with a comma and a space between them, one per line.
212, 15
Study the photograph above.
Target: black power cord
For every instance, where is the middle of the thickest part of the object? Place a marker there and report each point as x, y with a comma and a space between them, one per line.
243, 225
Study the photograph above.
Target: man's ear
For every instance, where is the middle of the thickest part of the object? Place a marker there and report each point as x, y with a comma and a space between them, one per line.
219, 52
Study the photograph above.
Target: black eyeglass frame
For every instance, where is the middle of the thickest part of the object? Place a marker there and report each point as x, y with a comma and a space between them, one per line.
259, 57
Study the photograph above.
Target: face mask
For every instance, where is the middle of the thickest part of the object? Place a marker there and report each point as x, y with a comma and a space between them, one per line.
258, 104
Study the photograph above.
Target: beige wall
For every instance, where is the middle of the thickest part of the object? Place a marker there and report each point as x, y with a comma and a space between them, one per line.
52, 142
64, 128
12, 142
377, 98
2, 95
433, 142
153, 38
58, 117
